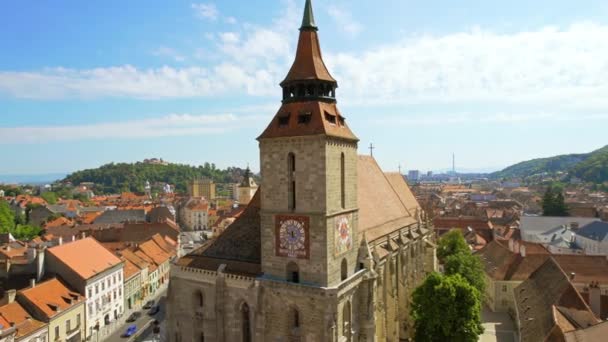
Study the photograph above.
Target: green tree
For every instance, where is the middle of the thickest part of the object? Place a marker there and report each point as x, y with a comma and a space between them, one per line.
451, 243
7, 217
50, 197
469, 267
25, 232
553, 202
446, 308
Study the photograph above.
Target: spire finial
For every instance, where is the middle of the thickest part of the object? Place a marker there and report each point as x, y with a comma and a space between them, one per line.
308, 22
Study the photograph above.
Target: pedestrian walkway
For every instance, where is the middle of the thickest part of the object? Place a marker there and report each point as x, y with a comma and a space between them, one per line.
498, 326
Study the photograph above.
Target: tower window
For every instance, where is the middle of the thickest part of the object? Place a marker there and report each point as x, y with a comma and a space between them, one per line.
330, 118
304, 118
342, 121
284, 120
291, 181
293, 272
344, 270
246, 323
342, 182
295, 316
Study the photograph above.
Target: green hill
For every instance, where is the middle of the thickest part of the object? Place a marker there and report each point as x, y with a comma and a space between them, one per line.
121, 177
590, 167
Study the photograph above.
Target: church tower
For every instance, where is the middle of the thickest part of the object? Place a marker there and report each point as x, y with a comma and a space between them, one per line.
308, 160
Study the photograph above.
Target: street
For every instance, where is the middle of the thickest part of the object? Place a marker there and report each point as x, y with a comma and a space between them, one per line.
144, 321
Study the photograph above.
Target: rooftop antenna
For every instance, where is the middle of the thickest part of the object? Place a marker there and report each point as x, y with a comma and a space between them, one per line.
453, 163
399, 168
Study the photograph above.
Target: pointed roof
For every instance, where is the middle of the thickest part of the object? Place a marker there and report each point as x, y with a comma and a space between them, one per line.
308, 64
308, 22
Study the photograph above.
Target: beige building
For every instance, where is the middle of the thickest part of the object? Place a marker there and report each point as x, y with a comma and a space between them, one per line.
194, 214
62, 309
329, 249
247, 188
202, 188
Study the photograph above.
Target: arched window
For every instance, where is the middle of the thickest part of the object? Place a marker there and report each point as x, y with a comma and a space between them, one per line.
246, 323
291, 179
344, 269
346, 321
342, 182
293, 272
295, 318
200, 299
202, 337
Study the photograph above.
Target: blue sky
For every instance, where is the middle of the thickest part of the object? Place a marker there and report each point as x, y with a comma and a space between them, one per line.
83, 84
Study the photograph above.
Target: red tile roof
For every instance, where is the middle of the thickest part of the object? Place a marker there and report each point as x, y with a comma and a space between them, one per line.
15, 314
86, 257
51, 297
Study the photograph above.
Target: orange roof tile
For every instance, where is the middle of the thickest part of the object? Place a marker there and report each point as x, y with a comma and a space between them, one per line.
86, 257
130, 268
154, 251
15, 314
51, 297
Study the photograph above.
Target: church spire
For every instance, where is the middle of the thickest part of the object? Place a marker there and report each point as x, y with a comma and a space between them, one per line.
308, 22
308, 79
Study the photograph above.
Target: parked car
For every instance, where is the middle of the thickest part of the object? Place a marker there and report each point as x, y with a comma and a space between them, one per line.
131, 330
155, 309
149, 304
134, 316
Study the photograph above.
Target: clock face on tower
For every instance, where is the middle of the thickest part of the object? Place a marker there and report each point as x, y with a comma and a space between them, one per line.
292, 236
343, 237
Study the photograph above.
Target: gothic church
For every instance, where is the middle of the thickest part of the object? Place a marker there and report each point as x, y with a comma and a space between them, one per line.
329, 248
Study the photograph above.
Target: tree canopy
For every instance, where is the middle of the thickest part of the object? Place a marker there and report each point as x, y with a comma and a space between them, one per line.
14, 224
451, 243
469, 267
446, 308
122, 177
553, 202
7, 217
49, 196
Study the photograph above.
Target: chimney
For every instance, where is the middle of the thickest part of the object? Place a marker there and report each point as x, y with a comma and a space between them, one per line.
73, 238
572, 275
595, 299
9, 296
83, 235
511, 245
32, 283
60, 241
522, 251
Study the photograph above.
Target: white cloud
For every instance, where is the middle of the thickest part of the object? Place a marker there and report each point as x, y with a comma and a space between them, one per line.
344, 20
550, 68
169, 125
164, 51
206, 11
485, 118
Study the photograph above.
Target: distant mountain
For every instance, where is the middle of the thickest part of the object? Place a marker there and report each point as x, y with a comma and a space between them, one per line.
31, 179
122, 177
590, 167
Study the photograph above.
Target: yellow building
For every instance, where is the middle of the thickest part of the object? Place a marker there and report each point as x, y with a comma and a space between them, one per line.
202, 188
54, 303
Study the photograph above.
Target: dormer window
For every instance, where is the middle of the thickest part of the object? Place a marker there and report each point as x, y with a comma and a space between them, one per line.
304, 118
330, 118
341, 119
284, 120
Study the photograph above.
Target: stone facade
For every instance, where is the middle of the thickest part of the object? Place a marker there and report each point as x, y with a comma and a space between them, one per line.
329, 249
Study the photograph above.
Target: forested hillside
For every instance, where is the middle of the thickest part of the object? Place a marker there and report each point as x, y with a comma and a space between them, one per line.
122, 177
